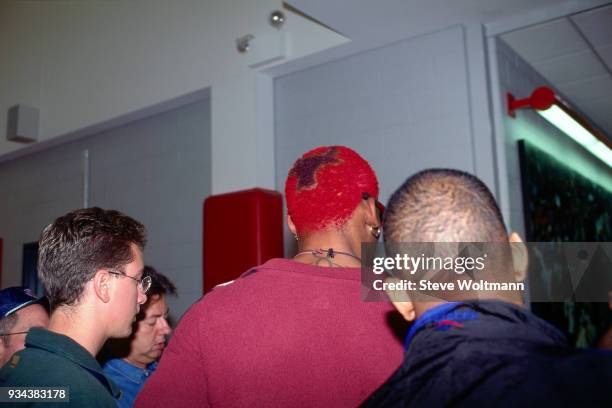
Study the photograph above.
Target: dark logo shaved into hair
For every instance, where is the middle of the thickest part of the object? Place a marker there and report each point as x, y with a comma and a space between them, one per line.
305, 169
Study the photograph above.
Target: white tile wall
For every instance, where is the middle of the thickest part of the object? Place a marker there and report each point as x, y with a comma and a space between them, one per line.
404, 107
156, 170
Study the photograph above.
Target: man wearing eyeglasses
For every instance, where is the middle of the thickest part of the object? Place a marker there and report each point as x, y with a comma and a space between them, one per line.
20, 310
130, 362
91, 267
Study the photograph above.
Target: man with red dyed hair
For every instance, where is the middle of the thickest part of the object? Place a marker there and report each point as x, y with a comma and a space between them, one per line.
292, 332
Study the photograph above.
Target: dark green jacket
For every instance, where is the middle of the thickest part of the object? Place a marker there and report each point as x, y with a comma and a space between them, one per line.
55, 360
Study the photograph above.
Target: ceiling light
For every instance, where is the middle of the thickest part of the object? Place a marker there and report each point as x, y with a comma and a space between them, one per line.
558, 113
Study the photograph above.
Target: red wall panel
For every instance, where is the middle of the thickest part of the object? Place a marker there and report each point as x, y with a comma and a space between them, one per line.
241, 230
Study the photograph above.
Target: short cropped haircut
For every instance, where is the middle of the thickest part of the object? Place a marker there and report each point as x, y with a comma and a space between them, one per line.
443, 205
160, 284
78, 244
325, 185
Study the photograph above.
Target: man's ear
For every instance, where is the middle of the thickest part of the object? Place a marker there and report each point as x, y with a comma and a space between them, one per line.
291, 225
401, 301
371, 213
102, 285
520, 256
406, 309
2, 349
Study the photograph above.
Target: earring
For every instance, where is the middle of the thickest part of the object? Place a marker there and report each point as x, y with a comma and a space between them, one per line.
375, 231
296, 237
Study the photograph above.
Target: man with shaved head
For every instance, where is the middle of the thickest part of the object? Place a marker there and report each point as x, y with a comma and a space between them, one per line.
483, 347
443, 206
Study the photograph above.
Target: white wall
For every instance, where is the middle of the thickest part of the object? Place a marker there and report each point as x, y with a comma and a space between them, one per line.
86, 64
412, 105
156, 170
519, 78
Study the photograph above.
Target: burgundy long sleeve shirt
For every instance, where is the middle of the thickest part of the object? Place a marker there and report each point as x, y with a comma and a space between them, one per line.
284, 334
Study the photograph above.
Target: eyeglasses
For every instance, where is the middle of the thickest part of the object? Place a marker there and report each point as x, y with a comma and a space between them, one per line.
143, 284
10, 334
379, 206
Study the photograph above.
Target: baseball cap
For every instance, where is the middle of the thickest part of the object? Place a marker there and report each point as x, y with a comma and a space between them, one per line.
15, 298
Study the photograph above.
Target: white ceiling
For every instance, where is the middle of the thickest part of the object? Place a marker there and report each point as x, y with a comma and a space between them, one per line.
574, 53
377, 20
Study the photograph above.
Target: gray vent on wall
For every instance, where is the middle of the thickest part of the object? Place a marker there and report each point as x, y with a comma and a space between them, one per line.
22, 124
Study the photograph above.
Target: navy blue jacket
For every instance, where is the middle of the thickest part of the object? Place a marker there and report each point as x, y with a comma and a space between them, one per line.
491, 354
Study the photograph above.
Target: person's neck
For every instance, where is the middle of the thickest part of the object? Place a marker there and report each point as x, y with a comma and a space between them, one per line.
420, 307
423, 306
74, 325
325, 240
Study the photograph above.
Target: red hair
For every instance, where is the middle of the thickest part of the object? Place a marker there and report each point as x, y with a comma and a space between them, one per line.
325, 186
